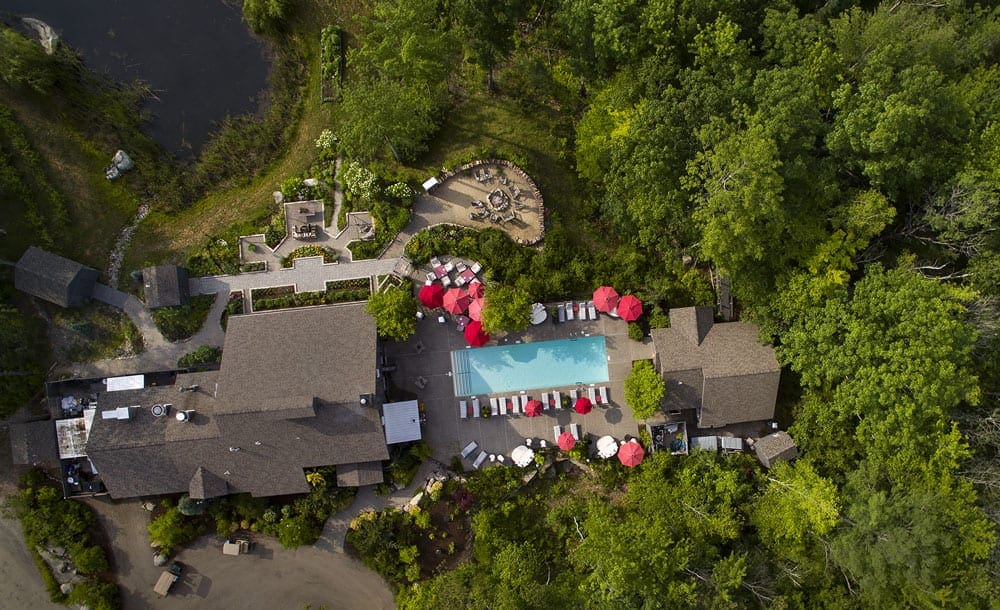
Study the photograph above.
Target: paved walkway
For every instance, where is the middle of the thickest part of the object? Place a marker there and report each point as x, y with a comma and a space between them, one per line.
306, 274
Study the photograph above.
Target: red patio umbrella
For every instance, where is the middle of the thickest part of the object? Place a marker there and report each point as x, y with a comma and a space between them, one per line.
474, 334
629, 308
476, 309
605, 299
456, 300
583, 405
631, 454
566, 441
476, 289
432, 295
533, 408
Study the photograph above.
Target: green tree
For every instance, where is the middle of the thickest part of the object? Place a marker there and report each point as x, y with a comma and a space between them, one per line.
488, 29
190, 507
266, 16
506, 308
395, 312
172, 528
298, 530
644, 389
90, 560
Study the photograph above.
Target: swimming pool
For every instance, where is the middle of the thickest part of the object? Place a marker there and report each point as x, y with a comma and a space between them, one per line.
529, 366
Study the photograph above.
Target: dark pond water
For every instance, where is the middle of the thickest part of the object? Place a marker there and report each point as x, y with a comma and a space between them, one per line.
198, 56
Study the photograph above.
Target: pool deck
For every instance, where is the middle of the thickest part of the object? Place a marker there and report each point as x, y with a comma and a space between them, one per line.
447, 433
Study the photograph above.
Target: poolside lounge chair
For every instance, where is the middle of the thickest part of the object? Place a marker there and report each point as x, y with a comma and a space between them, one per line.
557, 400
574, 429
494, 407
569, 311
463, 409
503, 406
573, 395
603, 393
592, 395
515, 402
467, 451
545, 401
475, 407
556, 431
583, 310
561, 310
479, 460
592, 310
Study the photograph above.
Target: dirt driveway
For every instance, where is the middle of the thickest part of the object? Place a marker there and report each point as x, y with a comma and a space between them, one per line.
269, 577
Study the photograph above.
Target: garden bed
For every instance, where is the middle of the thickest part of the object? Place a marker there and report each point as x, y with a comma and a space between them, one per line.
329, 255
180, 323
282, 297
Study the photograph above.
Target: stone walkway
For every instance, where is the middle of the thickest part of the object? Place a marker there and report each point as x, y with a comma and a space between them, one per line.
306, 274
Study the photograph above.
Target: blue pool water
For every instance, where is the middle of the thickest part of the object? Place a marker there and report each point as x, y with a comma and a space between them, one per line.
529, 366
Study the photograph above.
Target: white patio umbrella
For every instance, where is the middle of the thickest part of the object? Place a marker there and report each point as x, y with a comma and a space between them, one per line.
522, 455
538, 313
607, 447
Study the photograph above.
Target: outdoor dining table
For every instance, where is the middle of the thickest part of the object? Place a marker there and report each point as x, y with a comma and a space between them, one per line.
440, 271
467, 275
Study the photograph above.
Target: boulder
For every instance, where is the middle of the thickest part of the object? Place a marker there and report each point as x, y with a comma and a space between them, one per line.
278, 197
66, 587
310, 182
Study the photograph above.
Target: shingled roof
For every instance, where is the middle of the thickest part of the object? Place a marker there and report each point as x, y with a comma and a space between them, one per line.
245, 434
54, 278
165, 286
774, 448
34, 443
720, 369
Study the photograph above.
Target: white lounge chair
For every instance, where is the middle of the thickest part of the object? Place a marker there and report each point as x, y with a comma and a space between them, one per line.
583, 310
556, 432
569, 311
545, 401
503, 406
561, 313
475, 407
592, 310
463, 409
574, 429
592, 395
557, 400
479, 460
573, 395
494, 407
515, 402
603, 393
467, 451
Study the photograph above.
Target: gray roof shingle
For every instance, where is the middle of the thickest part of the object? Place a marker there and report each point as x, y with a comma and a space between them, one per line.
54, 278
774, 448
204, 485
34, 443
722, 369
356, 475
165, 286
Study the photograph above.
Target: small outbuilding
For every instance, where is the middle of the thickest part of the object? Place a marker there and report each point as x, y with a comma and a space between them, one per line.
54, 278
165, 286
774, 448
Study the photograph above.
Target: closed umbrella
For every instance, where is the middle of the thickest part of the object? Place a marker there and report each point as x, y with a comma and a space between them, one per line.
476, 289
583, 405
475, 335
629, 308
631, 454
432, 296
476, 309
566, 441
605, 299
533, 408
607, 447
456, 300
522, 455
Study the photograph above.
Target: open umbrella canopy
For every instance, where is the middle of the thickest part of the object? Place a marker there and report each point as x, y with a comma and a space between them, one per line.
476, 289
605, 299
538, 313
475, 335
456, 300
476, 309
629, 308
522, 455
631, 454
607, 447
432, 296
566, 441
583, 405
533, 408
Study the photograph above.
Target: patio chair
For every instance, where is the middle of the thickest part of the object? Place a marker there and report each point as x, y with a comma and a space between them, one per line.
569, 311
476, 267
591, 310
583, 310
573, 395
603, 393
556, 431
463, 409
420, 382
475, 406
501, 458
592, 395
493, 457
516, 402
503, 406
431, 277
494, 407
529, 441
557, 400
461, 267
545, 401
479, 460
460, 281
467, 451
435, 261
561, 310
543, 444
574, 429
445, 281
449, 266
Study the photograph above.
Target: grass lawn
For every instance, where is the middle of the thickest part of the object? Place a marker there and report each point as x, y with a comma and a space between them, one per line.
180, 323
